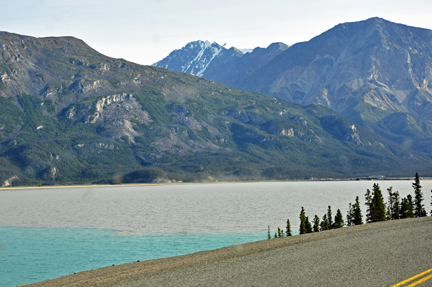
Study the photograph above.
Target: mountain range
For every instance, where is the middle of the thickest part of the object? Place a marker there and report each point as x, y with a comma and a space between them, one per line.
69, 115
374, 72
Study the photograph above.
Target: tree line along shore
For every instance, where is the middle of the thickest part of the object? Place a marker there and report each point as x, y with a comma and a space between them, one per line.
396, 207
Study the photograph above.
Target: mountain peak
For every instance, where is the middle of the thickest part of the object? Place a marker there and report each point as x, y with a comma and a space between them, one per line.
197, 56
205, 59
278, 46
67, 44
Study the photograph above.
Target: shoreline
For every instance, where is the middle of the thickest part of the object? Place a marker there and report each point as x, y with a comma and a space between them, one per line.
130, 272
194, 183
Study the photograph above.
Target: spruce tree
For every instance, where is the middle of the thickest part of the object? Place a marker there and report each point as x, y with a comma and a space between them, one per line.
339, 222
406, 210
410, 209
409, 197
378, 207
350, 215
288, 228
302, 227
419, 210
280, 232
357, 220
403, 208
316, 225
390, 202
395, 209
308, 225
329, 217
368, 203
324, 223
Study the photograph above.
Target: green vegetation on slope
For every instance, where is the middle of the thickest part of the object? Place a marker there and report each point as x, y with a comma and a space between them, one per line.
74, 116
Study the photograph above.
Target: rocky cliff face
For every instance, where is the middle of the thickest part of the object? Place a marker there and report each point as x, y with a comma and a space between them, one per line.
71, 115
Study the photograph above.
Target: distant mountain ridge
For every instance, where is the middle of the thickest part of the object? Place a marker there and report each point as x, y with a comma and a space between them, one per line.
208, 60
69, 114
196, 57
367, 71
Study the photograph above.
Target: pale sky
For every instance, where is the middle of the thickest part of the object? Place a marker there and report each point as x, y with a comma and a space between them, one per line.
146, 31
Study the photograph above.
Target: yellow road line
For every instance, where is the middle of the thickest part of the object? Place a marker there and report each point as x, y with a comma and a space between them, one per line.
420, 281
415, 277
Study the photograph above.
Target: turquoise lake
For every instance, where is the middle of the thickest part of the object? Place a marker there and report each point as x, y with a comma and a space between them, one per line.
51, 232
30, 255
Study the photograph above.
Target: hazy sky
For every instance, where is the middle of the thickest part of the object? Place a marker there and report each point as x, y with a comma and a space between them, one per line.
148, 30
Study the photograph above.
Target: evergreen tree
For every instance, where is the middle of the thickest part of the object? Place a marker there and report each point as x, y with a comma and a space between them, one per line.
410, 209
302, 228
406, 210
316, 225
409, 197
350, 215
357, 217
280, 232
403, 208
324, 223
329, 217
395, 209
339, 222
368, 203
308, 225
389, 211
288, 228
378, 206
268, 232
419, 210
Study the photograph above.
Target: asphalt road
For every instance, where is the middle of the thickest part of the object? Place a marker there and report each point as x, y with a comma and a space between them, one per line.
381, 257
378, 254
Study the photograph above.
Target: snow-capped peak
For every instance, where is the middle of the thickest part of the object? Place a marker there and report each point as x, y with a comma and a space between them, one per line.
196, 57
207, 44
201, 54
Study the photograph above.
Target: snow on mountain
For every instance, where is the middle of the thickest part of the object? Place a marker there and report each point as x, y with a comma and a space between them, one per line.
219, 63
246, 50
196, 57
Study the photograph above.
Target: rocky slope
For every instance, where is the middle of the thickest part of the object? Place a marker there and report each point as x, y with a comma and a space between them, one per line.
385, 65
370, 71
71, 115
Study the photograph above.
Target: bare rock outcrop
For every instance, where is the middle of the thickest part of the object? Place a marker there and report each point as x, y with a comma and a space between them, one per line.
8, 182
341, 128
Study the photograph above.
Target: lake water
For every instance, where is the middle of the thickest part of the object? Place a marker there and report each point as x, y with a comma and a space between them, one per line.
52, 232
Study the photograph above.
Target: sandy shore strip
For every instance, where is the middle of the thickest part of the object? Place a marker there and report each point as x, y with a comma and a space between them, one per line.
113, 275
425, 179
130, 184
